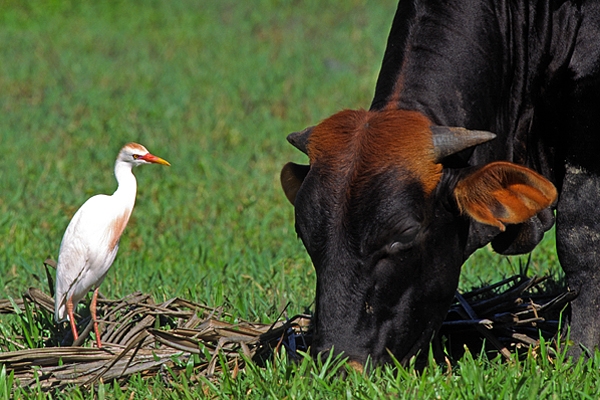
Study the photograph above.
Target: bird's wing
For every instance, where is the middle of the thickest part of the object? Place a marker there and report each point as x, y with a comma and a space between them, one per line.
87, 250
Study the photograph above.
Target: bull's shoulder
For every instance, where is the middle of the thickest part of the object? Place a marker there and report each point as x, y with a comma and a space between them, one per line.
585, 56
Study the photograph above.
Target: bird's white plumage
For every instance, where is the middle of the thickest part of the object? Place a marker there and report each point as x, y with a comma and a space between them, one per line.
91, 240
87, 245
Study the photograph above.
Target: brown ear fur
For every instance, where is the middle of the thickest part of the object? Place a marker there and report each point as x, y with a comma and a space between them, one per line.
292, 176
504, 193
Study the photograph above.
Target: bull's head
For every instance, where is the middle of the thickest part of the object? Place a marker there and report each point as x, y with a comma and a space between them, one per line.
388, 227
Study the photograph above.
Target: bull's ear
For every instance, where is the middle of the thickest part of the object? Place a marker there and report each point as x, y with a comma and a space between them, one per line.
504, 193
292, 176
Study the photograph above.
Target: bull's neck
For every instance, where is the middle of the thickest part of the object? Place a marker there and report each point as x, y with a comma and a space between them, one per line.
449, 65
465, 63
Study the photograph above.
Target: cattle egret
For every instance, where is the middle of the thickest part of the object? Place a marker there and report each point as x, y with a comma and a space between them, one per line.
91, 241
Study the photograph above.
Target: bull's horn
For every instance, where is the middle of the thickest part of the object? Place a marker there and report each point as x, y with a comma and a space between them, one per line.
300, 139
450, 140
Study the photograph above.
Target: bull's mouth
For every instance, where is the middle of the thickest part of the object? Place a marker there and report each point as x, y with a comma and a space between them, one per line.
417, 349
356, 365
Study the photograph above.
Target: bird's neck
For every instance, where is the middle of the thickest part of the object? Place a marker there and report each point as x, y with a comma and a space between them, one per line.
127, 185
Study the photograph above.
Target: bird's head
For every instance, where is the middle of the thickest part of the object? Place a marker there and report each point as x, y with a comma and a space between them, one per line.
136, 154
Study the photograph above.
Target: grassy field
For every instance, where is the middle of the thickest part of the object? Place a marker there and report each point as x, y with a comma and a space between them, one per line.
213, 87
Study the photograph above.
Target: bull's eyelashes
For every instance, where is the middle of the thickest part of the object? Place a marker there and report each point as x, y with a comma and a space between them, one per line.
402, 241
396, 247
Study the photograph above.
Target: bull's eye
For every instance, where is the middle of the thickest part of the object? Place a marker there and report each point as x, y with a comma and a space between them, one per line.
395, 247
403, 241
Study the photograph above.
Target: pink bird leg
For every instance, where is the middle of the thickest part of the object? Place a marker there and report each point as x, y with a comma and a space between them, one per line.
93, 312
69, 306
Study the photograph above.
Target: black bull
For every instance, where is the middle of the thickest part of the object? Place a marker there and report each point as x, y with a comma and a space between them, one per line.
393, 201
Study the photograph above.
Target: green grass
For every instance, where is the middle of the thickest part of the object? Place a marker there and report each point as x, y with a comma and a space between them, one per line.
213, 87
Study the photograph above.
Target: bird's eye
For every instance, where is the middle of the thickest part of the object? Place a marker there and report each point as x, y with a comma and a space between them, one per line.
136, 156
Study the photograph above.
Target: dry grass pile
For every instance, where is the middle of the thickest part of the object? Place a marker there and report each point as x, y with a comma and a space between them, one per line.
508, 316
141, 336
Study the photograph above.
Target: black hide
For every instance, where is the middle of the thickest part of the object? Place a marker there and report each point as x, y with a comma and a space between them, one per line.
388, 258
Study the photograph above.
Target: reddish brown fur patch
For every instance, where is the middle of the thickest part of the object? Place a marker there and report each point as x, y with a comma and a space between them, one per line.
117, 228
503, 192
361, 144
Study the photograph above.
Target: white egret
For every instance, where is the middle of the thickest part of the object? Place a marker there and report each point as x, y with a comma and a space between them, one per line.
91, 241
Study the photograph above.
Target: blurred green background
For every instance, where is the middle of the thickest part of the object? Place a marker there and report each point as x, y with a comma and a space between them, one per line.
212, 86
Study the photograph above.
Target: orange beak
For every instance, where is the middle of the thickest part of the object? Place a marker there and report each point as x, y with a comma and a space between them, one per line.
153, 159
